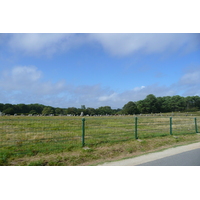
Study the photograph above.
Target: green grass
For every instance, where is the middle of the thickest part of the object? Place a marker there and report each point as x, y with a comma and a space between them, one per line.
40, 140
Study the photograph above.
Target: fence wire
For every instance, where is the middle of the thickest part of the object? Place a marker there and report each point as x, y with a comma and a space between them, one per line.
33, 135
160, 126
109, 129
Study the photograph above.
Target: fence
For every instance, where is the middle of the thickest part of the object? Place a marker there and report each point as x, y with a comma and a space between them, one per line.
162, 126
33, 135
107, 129
114, 129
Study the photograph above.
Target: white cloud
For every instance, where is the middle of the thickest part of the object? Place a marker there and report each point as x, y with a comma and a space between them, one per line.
113, 97
138, 88
129, 95
127, 43
120, 44
189, 83
28, 73
118, 100
44, 43
191, 78
48, 88
139, 93
28, 79
32, 42
20, 77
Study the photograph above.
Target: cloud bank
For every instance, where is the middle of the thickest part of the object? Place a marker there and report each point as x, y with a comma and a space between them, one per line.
190, 82
25, 84
35, 44
125, 44
115, 44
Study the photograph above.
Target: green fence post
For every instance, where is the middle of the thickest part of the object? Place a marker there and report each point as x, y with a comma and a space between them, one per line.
170, 125
136, 137
195, 122
83, 132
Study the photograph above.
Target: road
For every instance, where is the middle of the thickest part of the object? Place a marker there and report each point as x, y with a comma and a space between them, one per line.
188, 155
188, 158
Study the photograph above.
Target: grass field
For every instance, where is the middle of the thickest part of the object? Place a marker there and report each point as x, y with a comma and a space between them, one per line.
58, 140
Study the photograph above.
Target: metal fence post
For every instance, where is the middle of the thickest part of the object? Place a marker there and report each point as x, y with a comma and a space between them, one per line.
170, 125
195, 122
136, 137
83, 132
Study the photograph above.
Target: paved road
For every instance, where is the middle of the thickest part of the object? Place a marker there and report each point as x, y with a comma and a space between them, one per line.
188, 158
188, 155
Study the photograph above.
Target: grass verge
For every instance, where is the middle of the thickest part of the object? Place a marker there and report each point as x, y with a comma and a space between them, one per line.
96, 154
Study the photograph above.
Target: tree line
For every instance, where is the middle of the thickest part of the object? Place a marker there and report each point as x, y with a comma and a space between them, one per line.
151, 104
39, 109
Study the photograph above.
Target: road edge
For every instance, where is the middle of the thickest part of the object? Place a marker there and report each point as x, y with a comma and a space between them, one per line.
153, 155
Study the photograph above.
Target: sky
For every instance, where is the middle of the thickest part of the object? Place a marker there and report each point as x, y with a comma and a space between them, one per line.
106, 69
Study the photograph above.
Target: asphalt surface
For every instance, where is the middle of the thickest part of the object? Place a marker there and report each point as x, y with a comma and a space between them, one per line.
188, 158
187, 155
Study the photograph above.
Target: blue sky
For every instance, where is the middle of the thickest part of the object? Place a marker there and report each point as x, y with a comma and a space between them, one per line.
65, 70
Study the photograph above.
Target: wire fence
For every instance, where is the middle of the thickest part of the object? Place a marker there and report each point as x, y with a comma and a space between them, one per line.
102, 130
32, 135
108, 129
162, 126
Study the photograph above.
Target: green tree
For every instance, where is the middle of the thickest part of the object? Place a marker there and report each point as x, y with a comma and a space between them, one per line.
91, 111
103, 110
22, 108
83, 107
165, 104
148, 105
48, 110
33, 112
58, 111
159, 104
197, 101
37, 107
177, 103
117, 111
1, 106
72, 111
130, 108
7, 105
141, 106
10, 111
151, 103
190, 104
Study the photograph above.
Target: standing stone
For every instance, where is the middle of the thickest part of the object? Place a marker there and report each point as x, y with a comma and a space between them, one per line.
81, 114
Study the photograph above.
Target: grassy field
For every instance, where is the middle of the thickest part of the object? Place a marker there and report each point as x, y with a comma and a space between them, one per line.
58, 140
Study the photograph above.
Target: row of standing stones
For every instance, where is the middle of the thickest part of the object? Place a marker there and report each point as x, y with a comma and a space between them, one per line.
82, 114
